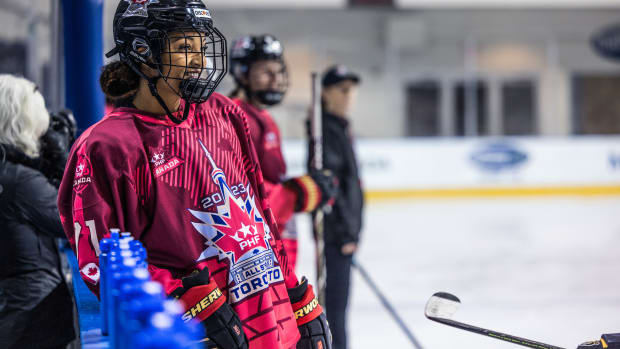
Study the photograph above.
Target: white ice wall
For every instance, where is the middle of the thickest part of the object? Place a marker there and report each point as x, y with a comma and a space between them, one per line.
483, 163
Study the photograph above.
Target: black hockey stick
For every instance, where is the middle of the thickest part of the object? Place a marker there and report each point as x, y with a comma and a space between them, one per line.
317, 163
387, 304
441, 306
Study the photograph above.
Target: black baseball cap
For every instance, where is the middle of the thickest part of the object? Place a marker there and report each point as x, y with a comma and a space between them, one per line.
339, 73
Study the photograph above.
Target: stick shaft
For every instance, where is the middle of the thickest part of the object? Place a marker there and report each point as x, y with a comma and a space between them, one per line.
317, 163
494, 334
317, 122
388, 306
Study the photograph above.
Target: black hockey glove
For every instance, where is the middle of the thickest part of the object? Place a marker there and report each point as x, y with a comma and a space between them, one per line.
205, 302
607, 341
311, 320
314, 190
55, 144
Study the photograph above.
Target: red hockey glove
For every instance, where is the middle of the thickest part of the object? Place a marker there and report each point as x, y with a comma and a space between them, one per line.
314, 190
205, 302
607, 341
311, 321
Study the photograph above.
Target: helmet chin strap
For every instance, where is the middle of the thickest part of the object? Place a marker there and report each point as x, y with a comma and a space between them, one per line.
152, 86
152, 82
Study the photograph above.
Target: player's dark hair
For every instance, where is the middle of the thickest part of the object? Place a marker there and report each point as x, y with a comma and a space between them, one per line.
119, 83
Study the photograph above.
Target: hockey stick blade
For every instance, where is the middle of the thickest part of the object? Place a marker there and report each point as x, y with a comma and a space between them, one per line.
442, 306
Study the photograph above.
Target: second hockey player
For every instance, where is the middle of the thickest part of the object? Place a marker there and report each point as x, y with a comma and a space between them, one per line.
259, 70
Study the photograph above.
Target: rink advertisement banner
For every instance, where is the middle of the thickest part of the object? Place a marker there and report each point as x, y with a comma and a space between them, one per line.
471, 167
406, 4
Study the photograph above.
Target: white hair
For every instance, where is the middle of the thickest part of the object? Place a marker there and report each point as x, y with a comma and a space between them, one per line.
23, 117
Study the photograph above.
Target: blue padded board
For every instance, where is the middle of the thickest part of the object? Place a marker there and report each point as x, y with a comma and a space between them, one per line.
88, 309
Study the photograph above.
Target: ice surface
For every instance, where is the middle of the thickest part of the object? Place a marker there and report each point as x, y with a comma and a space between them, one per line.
546, 269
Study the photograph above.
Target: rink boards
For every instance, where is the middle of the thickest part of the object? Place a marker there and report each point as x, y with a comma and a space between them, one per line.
518, 166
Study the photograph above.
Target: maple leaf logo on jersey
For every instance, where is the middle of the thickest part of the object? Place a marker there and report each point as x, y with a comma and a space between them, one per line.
237, 231
91, 272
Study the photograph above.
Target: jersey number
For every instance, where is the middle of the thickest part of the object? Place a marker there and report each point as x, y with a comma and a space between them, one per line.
93, 235
216, 198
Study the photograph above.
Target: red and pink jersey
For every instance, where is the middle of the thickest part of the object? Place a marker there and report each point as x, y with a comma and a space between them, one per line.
193, 194
266, 137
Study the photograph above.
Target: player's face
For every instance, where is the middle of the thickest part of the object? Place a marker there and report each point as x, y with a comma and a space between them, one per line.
184, 57
267, 75
339, 97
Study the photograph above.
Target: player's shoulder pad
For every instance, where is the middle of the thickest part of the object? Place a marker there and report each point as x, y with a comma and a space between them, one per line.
114, 138
223, 104
218, 100
114, 130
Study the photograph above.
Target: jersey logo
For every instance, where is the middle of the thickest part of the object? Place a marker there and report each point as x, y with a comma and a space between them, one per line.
162, 163
271, 141
237, 232
83, 172
91, 272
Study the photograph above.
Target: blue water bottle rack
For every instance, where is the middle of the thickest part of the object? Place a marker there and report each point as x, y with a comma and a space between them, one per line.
134, 310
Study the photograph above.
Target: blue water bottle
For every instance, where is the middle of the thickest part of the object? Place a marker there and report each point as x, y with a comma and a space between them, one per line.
138, 303
119, 270
191, 331
124, 276
115, 234
131, 289
105, 245
126, 235
164, 331
113, 258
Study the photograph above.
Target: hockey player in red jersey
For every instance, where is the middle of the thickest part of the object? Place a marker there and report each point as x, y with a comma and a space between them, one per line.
260, 73
174, 165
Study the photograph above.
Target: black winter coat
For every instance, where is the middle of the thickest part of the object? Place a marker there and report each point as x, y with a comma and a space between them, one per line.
344, 223
36, 307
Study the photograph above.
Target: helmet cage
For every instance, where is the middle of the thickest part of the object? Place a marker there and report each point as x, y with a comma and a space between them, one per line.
202, 68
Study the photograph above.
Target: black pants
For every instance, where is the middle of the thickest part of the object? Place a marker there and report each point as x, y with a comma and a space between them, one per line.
47, 324
337, 293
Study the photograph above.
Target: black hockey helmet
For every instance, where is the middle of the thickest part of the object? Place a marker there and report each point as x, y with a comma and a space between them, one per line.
248, 50
143, 31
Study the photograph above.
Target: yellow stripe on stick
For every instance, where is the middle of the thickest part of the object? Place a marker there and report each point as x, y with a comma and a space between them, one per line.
378, 195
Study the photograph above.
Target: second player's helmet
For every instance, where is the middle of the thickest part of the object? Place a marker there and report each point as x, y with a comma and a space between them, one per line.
143, 32
248, 50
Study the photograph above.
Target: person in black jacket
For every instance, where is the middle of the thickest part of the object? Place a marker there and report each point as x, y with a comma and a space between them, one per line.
36, 306
341, 225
